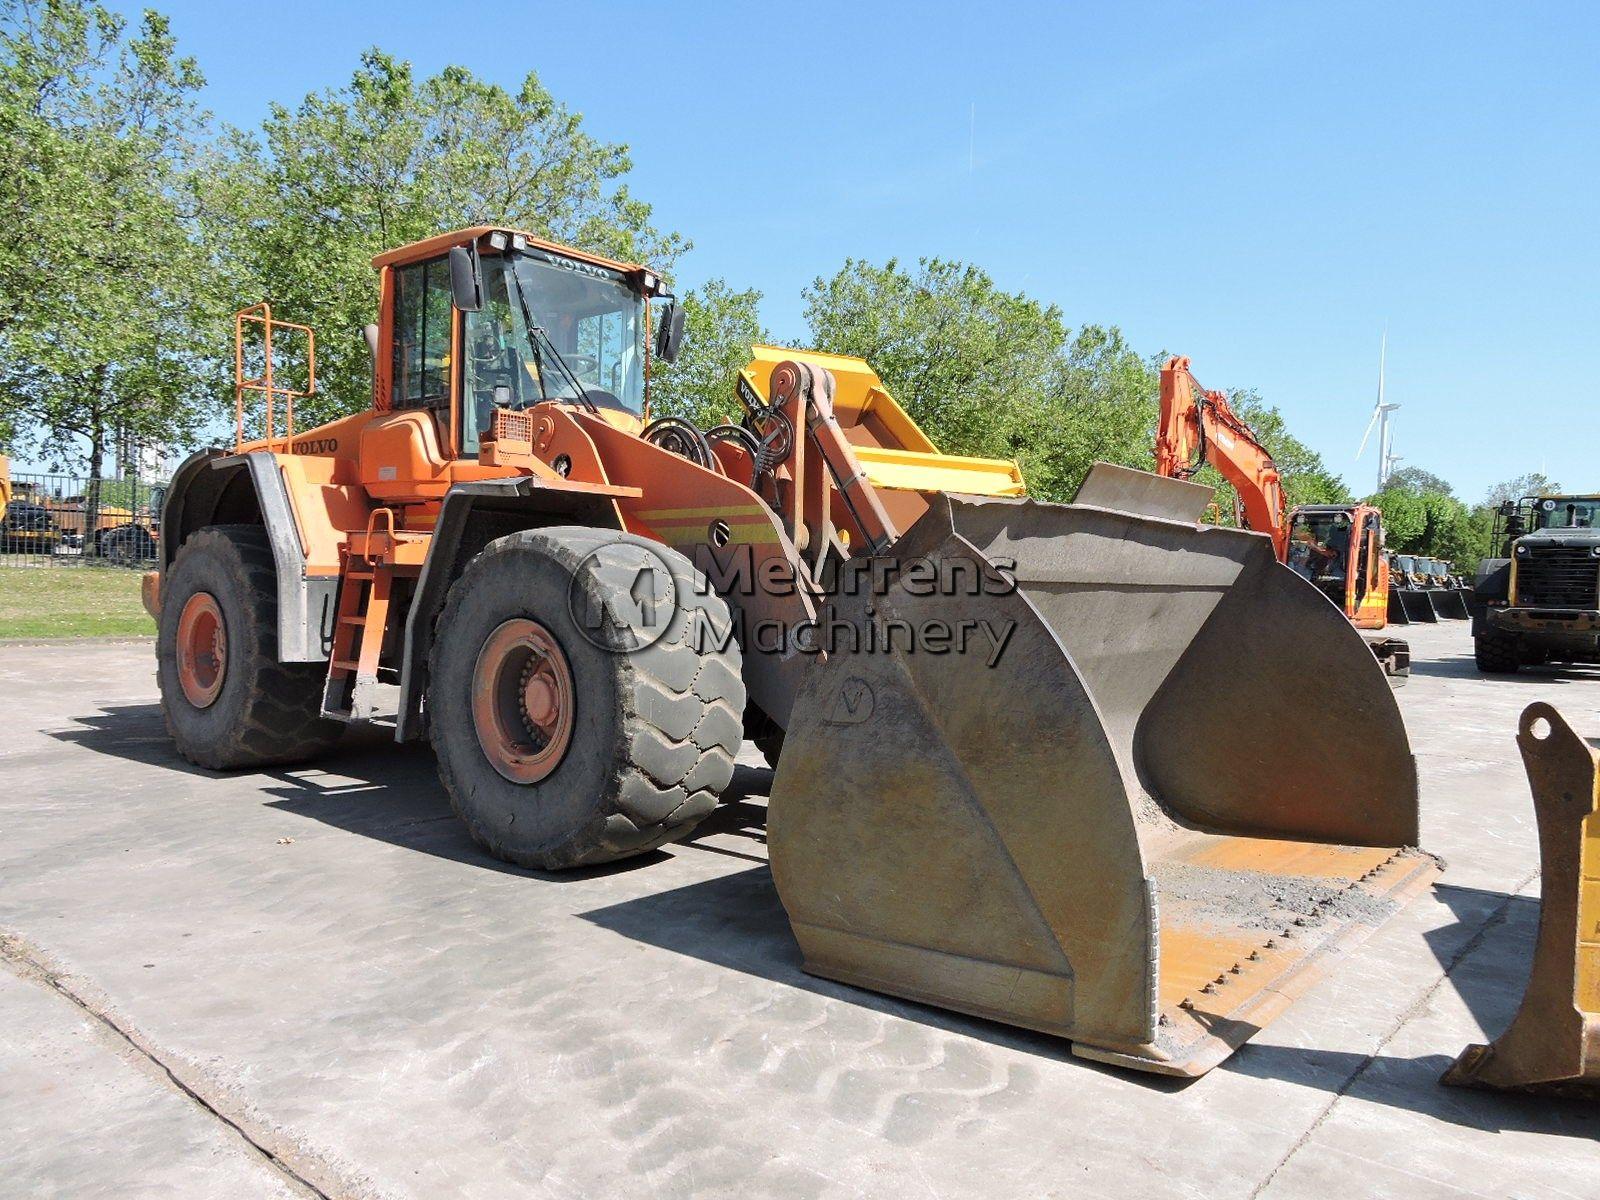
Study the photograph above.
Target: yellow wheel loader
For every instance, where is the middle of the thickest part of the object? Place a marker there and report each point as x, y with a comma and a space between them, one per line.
1092, 768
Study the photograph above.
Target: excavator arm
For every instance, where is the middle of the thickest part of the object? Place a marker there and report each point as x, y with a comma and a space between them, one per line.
1197, 427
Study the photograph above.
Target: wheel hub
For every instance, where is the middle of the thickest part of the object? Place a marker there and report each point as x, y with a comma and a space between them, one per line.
202, 650
522, 700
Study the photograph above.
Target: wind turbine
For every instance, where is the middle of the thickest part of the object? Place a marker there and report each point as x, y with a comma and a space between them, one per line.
1380, 418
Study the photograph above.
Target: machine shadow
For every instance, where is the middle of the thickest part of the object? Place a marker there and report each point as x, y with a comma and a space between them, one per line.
1487, 953
1462, 666
371, 787
1413, 1084
737, 922
375, 789
368, 786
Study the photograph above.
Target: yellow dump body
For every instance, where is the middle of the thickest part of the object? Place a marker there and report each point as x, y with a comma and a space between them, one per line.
893, 451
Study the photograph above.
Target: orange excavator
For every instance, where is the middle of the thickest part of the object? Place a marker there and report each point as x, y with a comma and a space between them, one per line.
1337, 547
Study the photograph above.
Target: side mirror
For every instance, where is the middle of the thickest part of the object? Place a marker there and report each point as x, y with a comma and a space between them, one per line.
466, 283
669, 338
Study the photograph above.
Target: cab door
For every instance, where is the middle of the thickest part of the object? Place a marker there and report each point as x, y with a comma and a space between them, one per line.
423, 339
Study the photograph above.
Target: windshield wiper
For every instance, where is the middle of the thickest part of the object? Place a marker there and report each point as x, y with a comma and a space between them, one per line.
537, 331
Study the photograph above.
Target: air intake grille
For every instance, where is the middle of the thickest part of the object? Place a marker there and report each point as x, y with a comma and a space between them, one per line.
512, 426
1558, 577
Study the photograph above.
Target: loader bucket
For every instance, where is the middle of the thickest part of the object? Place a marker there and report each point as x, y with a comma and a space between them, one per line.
1146, 824
1447, 602
1418, 605
1397, 608
1553, 1043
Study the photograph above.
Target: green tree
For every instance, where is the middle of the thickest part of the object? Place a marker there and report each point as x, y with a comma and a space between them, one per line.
109, 309
1099, 405
300, 206
1432, 523
972, 364
1534, 483
720, 326
1416, 479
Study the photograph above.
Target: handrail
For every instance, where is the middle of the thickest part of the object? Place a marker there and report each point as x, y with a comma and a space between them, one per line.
261, 314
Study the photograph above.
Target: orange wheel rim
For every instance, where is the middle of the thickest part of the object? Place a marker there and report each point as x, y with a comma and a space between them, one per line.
522, 700
202, 650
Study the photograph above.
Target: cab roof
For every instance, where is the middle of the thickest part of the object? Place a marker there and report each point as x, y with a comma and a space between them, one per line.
439, 243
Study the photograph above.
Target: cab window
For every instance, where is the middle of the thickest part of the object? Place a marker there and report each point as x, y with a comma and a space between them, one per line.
420, 370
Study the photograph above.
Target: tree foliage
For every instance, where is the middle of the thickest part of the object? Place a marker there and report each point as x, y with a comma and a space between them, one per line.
109, 309
1534, 483
133, 231
994, 373
989, 372
720, 326
1423, 516
1417, 479
971, 363
301, 205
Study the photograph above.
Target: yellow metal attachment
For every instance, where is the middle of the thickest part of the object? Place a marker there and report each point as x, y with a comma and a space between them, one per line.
893, 451
1553, 1043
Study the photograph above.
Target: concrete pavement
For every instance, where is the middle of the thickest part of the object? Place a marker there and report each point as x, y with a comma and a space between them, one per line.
310, 981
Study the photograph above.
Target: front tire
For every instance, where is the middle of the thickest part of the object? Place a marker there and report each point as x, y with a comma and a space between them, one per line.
1496, 654
561, 748
227, 700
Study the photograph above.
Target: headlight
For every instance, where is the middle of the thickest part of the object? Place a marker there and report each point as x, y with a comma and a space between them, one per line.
1522, 552
1594, 551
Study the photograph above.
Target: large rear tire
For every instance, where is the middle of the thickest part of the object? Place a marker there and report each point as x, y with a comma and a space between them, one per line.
227, 700
1496, 654
563, 743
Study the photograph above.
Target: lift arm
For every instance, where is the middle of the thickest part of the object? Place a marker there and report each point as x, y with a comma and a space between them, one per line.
1198, 427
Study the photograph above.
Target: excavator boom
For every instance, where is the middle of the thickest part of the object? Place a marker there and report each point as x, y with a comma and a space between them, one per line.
1338, 547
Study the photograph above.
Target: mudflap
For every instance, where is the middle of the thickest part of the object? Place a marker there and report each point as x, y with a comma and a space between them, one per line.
1147, 798
1553, 1043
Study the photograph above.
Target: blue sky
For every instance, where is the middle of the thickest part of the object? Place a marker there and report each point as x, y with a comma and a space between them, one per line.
1264, 188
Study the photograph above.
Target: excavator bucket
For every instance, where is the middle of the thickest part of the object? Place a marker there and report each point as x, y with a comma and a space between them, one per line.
1137, 786
1553, 1043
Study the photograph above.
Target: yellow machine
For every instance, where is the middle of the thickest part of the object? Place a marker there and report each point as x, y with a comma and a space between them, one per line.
1092, 768
1553, 1044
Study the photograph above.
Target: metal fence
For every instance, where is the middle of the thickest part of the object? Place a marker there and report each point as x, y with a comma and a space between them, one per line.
67, 520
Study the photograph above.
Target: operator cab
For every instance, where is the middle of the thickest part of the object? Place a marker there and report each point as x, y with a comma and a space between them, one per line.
487, 319
1567, 512
1319, 548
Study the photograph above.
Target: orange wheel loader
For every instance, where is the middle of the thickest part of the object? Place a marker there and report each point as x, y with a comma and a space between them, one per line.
1074, 767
